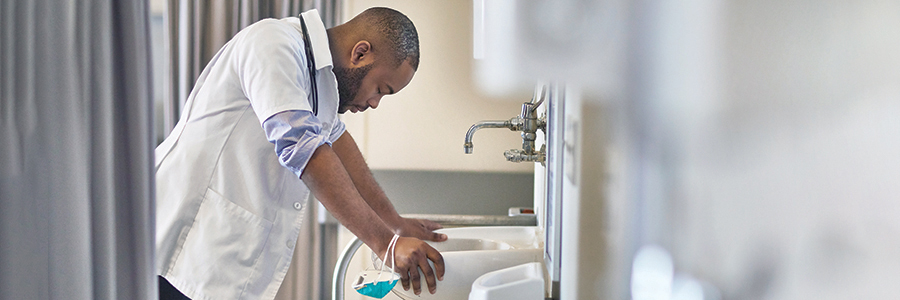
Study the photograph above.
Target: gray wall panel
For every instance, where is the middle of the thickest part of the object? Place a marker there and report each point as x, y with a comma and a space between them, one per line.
469, 193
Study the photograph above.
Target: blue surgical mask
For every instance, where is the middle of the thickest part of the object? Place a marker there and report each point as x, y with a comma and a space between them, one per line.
371, 282
377, 289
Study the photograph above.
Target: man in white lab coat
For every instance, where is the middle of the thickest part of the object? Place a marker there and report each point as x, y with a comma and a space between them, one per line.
259, 131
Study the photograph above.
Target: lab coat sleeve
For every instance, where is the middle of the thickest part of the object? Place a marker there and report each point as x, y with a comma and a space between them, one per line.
271, 65
296, 135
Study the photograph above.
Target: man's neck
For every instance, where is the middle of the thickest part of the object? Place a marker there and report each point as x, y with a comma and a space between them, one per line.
334, 45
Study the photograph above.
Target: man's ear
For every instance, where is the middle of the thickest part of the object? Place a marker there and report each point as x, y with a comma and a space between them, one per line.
361, 54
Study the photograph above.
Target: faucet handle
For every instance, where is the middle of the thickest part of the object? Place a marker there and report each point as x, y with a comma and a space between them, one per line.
527, 110
518, 155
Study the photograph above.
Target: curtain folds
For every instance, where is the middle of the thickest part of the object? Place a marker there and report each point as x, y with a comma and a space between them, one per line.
76, 181
197, 29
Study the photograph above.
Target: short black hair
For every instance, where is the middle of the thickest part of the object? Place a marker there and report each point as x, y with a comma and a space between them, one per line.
398, 32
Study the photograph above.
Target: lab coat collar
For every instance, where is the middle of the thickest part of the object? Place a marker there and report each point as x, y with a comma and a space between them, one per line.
318, 37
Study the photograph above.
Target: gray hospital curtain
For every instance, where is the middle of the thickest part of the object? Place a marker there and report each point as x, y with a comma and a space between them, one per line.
198, 28
76, 189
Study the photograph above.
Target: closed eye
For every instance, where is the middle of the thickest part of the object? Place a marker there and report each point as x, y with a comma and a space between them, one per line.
390, 90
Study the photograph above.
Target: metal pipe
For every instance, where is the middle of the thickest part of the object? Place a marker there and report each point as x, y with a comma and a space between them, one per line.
340, 268
485, 124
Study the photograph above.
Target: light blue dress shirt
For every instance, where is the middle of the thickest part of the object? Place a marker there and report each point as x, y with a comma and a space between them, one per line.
296, 135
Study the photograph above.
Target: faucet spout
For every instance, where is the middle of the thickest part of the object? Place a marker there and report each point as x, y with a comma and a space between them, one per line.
511, 124
528, 122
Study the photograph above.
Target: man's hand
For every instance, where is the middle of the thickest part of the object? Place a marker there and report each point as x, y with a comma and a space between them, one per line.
420, 229
412, 254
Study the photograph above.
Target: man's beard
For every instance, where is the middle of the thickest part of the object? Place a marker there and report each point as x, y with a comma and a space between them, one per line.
348, 80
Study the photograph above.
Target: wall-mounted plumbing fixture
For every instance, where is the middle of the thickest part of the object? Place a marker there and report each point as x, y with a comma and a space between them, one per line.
527, 122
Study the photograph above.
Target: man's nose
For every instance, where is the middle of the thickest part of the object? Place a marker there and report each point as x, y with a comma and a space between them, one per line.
373, 103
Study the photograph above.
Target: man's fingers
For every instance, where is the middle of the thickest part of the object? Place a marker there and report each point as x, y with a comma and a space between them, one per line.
438, 237
415, 280
430, 225
428, 272
438, 260
413, 255
404, 278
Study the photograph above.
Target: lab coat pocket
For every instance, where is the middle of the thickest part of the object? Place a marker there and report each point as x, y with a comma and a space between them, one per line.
223, 245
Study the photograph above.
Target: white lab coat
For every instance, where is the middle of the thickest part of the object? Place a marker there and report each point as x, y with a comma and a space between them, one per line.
228, 214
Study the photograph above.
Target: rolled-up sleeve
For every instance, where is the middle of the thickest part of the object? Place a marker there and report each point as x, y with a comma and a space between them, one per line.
337, 130
296, 135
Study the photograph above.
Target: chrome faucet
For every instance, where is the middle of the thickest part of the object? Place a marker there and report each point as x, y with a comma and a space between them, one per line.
513, 124
527, 122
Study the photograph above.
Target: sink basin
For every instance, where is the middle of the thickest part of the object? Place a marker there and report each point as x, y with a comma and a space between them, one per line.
464, 244
470, 252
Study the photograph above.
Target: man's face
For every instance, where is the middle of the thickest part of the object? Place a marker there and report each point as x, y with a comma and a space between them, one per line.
362, 87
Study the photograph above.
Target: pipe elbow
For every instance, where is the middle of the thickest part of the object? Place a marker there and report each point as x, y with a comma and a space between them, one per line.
467, 146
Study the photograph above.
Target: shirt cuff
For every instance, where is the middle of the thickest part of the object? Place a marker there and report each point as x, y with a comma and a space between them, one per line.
336, 131
296, 135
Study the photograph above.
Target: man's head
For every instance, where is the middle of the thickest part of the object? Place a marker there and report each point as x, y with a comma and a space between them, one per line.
375, 54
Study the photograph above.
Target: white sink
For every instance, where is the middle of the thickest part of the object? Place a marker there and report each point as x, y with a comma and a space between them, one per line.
470, 252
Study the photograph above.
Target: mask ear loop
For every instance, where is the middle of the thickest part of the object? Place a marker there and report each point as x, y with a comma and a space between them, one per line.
390, 250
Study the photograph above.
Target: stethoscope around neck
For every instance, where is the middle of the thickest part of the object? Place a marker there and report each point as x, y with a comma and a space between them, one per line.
311, 66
